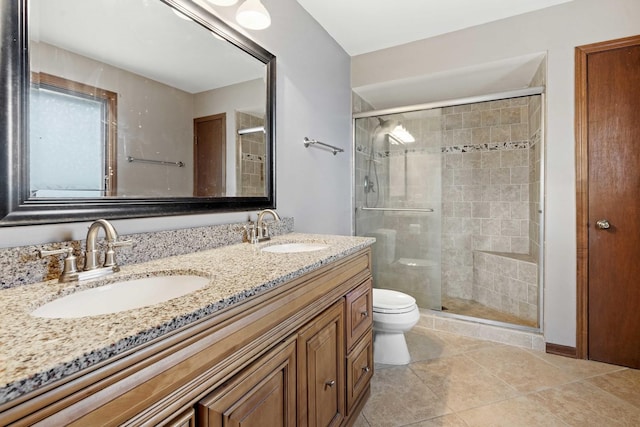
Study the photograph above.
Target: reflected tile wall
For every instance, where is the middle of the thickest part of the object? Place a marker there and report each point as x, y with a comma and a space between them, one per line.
250, 166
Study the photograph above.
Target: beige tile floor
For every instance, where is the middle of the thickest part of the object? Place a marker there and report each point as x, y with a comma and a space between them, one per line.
459, 381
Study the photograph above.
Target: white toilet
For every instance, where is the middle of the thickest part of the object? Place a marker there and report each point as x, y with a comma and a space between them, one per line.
394, 313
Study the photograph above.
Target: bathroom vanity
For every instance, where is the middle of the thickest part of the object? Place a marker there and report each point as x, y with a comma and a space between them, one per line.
292, 346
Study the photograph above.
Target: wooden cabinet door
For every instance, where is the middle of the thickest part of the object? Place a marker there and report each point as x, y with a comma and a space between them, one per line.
321, 369
262, 394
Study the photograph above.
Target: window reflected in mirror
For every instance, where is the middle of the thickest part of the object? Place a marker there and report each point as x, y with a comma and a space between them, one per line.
72, 139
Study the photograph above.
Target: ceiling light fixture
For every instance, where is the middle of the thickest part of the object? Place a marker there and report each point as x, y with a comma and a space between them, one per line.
402, 135
223, 2
253, 15
398, 134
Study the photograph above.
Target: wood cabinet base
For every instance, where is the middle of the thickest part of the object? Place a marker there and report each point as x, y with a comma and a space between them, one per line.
241, 366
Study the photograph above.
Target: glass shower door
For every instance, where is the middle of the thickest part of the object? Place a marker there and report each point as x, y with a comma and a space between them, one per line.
398, 164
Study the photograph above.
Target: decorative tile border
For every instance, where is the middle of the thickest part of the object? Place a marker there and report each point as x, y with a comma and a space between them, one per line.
491, 146
252, 157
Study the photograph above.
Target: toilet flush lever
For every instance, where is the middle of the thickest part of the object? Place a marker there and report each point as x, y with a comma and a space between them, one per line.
603, 224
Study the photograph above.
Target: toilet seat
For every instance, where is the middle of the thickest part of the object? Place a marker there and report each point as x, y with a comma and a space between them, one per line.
388, 301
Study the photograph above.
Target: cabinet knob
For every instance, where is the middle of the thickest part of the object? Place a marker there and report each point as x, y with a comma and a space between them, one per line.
330, 383
364, 313
366, 369
603, 224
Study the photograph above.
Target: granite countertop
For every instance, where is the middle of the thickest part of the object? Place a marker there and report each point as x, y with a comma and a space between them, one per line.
36, 351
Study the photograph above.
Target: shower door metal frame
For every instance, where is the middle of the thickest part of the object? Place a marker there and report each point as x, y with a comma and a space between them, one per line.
530, 91
537, 90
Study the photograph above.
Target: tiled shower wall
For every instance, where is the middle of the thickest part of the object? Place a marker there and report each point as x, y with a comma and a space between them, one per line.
485, 186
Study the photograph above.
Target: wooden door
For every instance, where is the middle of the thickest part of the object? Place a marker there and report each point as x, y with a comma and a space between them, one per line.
612, 108
209, 156
321, 370
263, 394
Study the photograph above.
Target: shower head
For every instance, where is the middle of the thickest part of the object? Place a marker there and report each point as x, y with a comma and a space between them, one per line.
397, 133
387, 126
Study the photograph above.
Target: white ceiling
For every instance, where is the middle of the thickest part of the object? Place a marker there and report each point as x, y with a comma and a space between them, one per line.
487, 78
362, 26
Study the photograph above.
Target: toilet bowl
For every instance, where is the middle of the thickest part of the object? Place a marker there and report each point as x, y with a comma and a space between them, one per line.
394, 313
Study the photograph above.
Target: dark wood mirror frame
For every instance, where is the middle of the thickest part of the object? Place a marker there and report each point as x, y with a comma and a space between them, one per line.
16, 208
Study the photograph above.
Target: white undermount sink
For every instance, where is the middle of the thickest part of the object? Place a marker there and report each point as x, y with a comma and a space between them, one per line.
287, 248
121, 296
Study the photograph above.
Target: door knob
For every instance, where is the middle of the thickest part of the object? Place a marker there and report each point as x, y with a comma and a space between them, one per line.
603, 224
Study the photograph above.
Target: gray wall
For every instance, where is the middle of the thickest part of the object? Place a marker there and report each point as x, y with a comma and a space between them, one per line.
556, 30
313, 99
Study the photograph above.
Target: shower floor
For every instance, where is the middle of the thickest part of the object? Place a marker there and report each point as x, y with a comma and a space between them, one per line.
475, 309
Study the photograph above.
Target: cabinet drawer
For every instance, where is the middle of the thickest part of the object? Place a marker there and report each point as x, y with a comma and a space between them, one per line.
359, 312
359, 369
186, 419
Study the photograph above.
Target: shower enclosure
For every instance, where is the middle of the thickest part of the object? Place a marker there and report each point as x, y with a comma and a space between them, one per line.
452, 194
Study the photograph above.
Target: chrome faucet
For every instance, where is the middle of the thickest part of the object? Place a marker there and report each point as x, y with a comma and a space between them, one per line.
260, 232
92, 269
91, 254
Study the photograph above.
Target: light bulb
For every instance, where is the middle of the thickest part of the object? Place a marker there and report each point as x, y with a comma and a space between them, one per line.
253, 15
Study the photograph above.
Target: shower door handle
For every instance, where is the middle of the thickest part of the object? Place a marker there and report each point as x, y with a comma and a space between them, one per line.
603, 224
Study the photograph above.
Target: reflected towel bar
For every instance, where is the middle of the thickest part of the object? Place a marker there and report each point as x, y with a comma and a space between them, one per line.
155, 162
307, 142
251, 130
397, 209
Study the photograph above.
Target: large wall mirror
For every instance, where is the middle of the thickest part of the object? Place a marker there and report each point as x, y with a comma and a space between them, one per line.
131, 108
